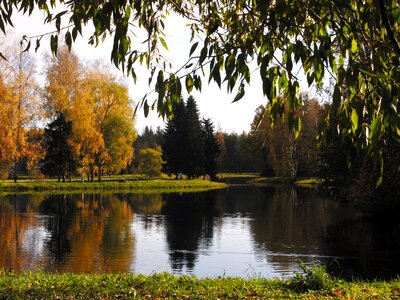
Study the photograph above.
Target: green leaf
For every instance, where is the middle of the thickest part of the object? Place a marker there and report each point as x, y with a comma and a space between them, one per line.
146, 109
193, 48
27, 47
353, 46
37, 44
216, 75
189, 83
68, 40
354, 120
379, 182
163, 42
54, 44
375, 127
203, 54
3, 57
230, 64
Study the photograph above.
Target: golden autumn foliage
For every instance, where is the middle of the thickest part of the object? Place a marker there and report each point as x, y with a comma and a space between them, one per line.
98, 107
19, 108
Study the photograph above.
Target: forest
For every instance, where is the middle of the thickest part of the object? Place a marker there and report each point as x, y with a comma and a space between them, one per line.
89, 131
353, 46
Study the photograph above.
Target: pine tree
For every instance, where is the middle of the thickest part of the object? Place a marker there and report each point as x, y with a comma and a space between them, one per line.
186, 148
211, 149
173, 146
194, 145
58, 160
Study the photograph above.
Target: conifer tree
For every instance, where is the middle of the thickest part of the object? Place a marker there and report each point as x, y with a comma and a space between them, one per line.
211, 149
58, 160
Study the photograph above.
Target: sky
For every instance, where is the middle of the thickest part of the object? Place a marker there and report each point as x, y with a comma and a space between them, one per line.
213, 102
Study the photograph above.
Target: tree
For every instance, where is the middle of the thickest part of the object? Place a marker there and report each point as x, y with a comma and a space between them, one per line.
63, 77
193, 139
113, 122
98, 108
150, 161
173, 148
356, 44
189, 146
58, 160
21, 105
148, 139
286, 155
211, 149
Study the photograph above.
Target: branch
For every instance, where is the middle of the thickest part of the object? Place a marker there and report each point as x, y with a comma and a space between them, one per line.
389, 30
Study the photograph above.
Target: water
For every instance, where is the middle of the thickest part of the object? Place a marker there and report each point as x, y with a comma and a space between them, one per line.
241, 231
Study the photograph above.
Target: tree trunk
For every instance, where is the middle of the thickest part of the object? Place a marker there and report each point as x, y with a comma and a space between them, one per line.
15, 170
91, 171
100, 171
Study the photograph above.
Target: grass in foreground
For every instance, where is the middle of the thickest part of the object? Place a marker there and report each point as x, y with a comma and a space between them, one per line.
41, 285
121, 185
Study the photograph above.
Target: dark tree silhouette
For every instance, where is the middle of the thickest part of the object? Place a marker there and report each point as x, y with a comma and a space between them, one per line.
58, 160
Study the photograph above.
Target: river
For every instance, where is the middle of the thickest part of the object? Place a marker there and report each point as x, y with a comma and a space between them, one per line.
243, 231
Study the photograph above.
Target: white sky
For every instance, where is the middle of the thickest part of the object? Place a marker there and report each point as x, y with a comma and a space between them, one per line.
213, 102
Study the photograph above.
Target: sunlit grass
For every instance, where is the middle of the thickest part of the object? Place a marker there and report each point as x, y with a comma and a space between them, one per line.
39, 285
128, 183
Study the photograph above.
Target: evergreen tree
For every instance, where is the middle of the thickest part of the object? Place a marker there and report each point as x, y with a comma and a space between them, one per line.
211, 149
58, 160
193, 141
190, 147
173, 148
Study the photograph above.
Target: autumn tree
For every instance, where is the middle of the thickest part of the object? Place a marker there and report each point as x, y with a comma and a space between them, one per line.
113, 121
287, 155
355, 43
147, 139
98, 108
21, 106
150, 161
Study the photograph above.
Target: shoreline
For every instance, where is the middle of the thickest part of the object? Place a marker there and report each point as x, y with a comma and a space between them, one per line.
136, 185
41, 285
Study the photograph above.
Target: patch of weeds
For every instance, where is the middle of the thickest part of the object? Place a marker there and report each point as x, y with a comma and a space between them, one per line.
312, 278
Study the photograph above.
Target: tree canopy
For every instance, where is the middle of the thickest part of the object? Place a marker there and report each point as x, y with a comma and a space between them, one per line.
353, 43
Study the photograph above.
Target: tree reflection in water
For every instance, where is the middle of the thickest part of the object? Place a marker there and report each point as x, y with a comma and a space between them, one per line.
206, 234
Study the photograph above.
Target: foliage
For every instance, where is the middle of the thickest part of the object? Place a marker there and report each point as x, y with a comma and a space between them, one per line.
190, 147
312, 278
355, 44
211, 149
240, 153
98, 108
285, 154
20, 107
148, 139
58, 160
29, 285
150, 161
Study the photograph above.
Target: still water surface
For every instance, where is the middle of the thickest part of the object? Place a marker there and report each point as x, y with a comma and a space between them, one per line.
241, 231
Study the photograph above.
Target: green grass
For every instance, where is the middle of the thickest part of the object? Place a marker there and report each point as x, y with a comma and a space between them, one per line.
41, 285
309, 181
116, 184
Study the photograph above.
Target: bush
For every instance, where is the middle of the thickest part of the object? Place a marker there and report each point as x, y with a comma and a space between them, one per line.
312, 278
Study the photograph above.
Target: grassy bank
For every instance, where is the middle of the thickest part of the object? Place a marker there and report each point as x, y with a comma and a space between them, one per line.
255, 179
117, 185
166, 286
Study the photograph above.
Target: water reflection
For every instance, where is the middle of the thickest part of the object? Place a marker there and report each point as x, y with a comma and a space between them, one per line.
239, 231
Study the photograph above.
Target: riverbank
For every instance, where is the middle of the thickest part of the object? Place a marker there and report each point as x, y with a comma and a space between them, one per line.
256, 179
40, 285
111, 185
